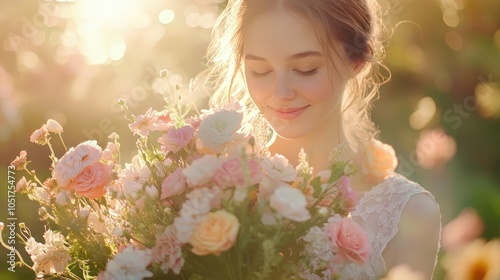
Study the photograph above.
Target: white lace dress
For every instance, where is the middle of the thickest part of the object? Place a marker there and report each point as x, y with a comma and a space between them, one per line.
379, 212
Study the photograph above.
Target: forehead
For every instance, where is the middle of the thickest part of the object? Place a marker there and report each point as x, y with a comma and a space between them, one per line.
279, 33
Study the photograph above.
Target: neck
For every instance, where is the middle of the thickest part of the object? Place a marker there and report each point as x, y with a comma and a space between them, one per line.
317, 145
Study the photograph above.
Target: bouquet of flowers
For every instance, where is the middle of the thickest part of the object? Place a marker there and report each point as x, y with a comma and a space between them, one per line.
201, 199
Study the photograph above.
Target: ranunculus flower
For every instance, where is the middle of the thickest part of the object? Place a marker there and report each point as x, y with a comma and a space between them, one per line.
54, 126
201, 170
217, 233
174, 184
176, 139
220, 128
349, 241
75, 160
375, 159
278, 167
231, 173
291, 203
92, 181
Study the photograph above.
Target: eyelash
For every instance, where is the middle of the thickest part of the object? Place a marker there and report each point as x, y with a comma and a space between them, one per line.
307, 73
302, 73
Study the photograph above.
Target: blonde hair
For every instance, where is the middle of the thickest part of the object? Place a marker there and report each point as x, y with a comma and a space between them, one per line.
356, 24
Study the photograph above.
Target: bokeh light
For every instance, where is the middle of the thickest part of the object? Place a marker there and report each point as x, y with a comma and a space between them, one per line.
426, 108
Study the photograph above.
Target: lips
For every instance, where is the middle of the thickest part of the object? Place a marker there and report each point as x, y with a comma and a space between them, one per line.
289, 113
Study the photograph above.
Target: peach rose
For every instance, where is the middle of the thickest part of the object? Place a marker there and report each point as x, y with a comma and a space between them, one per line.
92, 181
217, 233
375, 159
349, 241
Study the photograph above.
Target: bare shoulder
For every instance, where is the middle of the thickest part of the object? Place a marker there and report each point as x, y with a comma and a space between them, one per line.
422, 206
419, 233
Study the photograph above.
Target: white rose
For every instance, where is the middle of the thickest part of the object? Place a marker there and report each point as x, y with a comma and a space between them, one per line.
201, 170
220, 128
278, 167
291, 203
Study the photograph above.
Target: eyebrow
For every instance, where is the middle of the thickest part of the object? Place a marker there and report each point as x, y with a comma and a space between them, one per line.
293, 57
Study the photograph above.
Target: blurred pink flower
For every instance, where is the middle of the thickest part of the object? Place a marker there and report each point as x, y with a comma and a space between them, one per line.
435, 148
463, 229
40, 135
349, 241
92, 181
75, 161
174, 184
176, 138
347, 196
231, 173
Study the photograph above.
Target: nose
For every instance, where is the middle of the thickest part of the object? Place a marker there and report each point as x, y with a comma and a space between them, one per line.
283, 89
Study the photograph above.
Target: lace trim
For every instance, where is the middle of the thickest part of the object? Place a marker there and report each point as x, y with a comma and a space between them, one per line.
379, 212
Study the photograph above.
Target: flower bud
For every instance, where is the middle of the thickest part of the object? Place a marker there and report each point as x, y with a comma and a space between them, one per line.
54, 126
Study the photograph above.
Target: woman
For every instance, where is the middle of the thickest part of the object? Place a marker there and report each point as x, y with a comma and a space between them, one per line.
310, 69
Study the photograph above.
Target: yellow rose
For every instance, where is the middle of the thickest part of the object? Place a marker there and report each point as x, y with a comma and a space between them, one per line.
376, 160
217, 233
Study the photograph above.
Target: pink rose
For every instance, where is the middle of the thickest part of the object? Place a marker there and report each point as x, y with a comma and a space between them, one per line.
375, 159
92, 181
347, 196
349, 241
176, 139
174, 184
231, 173
76, 160
201, 170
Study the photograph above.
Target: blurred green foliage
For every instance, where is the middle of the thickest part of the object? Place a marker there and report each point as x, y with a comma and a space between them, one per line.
448, 50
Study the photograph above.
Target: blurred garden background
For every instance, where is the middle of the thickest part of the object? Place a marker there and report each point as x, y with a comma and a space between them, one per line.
72, 60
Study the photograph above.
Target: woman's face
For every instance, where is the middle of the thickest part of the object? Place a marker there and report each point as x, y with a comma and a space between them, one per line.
287, 75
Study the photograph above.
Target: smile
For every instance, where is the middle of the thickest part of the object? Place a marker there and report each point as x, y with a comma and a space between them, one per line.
289, 113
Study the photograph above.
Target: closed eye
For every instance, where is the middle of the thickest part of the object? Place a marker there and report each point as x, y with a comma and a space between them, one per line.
259, 74
307, 73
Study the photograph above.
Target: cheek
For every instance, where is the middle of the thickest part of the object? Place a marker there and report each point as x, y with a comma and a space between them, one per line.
258, 88
318, 89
